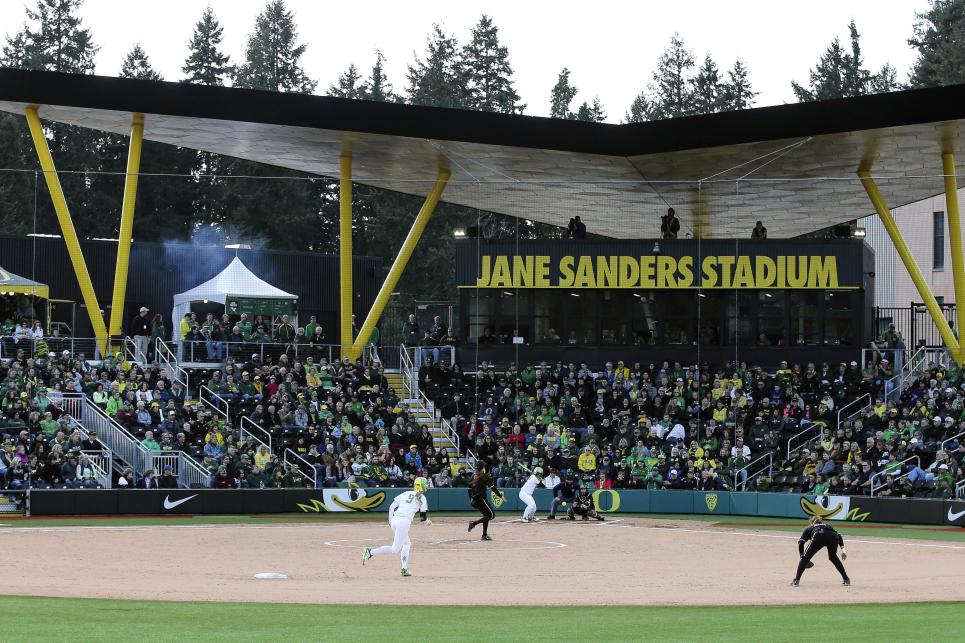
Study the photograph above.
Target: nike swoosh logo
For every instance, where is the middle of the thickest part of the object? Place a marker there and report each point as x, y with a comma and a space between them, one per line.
171, 505
952, 517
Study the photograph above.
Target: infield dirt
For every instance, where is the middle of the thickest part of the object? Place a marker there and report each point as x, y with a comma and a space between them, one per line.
620, 562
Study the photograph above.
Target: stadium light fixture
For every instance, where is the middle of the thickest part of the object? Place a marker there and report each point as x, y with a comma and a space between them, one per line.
860, 233
459, 233
237, 246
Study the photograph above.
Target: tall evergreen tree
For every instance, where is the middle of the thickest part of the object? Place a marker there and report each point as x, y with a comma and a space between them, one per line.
562, 95
488, 74
671, 92
349, 84
137, 65
708, 91
841, 73
939, 37
52, 39
378, 87
738, 92
272, 55
641, 109
438, 81
206, 64
591, 112
54, 42
886, 80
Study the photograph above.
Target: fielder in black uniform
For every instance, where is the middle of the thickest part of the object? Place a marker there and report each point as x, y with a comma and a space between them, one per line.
479, 487
820, 535
583, 505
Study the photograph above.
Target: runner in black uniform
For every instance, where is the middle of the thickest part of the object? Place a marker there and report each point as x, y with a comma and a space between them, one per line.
479, 488
820, 535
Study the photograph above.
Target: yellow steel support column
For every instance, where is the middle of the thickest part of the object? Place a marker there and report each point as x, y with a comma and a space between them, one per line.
398, 266
67, 226
909, 261
345, 253
955, 233
127, 225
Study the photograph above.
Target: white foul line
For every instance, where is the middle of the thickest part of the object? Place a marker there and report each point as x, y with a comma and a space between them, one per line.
850, 540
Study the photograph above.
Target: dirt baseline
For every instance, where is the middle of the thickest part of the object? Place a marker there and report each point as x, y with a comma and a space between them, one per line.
621, 562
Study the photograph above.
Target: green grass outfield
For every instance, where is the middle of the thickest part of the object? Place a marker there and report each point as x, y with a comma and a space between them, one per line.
858, 529
46, 619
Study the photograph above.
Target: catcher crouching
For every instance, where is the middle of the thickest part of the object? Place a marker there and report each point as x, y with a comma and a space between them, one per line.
583, 505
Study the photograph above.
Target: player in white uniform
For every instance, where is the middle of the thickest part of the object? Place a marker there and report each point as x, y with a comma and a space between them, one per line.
401, 512
526, 494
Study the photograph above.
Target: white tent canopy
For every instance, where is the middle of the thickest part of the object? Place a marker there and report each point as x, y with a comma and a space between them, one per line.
236, 280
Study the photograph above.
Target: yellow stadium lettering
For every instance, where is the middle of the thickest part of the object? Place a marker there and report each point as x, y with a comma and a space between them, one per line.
766, 272
685, 268
823, 272
781, 272
584, 273
797, 272
606, 272
542, 268
726, 263
646, 271
708, 270
483, 280
629, 272
502, 276
566, 271
743, 273
523, 271
666, 266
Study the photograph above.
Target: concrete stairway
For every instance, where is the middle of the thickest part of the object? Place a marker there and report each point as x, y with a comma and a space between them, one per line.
423, 415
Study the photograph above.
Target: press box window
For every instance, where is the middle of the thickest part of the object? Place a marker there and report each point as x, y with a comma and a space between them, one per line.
938, 241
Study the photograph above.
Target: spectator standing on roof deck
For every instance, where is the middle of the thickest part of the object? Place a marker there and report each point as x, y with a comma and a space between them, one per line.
410, 332
141, 331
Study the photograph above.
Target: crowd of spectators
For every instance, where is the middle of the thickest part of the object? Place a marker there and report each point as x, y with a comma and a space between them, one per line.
648, 426
670, 426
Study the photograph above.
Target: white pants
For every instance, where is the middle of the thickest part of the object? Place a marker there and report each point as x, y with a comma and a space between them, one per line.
140, 345
400, 543
530, 504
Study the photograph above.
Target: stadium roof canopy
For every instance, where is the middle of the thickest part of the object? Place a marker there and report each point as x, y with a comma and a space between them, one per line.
792, 166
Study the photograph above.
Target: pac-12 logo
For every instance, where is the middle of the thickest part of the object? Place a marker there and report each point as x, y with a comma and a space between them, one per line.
711, 500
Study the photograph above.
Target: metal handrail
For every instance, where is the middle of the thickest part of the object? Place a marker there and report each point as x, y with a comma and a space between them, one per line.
245, 420
101, 461
191, 473
885, 474
769, 469
954, 437
850, 404
313, 476
960, 489
819, 426
169, 361
217, 408
119, 440
130, 350
197, 352
410, 379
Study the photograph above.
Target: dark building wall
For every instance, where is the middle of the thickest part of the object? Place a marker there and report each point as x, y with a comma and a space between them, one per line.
160, 271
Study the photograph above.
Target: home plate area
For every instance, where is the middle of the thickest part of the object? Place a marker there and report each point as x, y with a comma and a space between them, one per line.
547, 563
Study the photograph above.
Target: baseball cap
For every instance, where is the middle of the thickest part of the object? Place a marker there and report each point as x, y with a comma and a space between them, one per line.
143, 309
943, 466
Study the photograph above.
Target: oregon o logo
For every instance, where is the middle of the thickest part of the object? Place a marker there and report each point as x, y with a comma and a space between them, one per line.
614, 500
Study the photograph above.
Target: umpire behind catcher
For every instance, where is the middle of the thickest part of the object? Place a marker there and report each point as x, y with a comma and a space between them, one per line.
820, 536
564, 492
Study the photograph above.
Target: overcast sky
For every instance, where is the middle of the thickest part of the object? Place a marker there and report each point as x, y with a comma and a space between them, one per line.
610, 47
